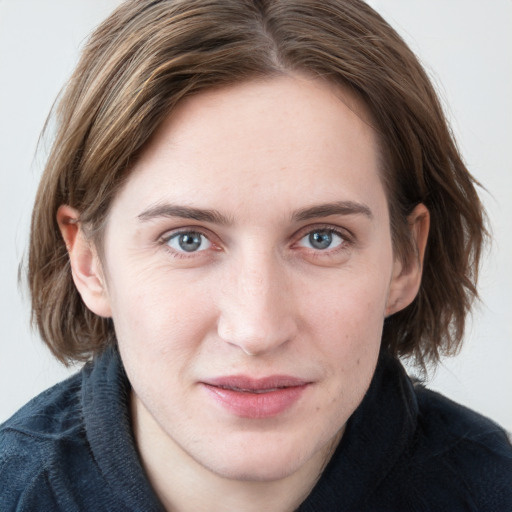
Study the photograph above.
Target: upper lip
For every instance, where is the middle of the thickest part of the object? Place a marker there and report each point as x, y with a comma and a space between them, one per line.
245, 383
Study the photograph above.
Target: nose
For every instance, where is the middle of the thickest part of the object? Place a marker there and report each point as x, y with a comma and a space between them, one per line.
256, 310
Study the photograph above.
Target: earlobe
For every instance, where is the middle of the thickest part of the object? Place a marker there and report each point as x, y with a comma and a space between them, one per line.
85, 264
406, 280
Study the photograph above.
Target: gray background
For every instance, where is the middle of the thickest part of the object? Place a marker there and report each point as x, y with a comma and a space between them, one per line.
466, 48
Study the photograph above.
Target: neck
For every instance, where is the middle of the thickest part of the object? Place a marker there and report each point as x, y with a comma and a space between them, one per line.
195, 487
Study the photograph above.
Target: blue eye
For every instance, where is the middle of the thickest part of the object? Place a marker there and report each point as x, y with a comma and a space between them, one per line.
188, 241
322, 239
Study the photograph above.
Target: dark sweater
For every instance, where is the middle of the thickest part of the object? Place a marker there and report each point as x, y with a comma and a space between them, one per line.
404, 449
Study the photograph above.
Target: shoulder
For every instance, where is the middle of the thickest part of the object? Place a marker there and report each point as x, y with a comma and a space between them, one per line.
37, 446
447, 424
55, 413
470, 453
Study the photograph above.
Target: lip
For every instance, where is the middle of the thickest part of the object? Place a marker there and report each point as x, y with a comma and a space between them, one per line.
256, 398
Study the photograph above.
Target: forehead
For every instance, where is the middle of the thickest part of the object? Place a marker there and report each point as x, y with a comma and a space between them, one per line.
287, 140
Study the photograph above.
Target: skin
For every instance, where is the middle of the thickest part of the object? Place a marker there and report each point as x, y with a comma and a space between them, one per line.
257, 297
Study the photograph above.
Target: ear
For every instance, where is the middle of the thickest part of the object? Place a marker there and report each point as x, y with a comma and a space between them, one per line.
85, 264
406, 280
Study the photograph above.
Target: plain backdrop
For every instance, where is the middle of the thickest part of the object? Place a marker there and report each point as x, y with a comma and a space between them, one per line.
466, 48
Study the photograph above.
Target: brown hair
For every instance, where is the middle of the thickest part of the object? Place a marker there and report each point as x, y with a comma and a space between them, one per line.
148, 55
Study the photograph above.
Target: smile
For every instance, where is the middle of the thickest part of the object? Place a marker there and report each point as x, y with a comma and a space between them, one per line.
256, 398
257, 391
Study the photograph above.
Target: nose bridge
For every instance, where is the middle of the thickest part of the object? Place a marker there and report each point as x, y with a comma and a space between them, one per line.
256, 313
254, 281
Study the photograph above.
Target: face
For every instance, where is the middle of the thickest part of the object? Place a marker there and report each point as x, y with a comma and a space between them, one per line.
248, 268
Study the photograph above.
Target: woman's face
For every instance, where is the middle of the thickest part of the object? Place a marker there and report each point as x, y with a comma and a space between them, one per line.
249, 268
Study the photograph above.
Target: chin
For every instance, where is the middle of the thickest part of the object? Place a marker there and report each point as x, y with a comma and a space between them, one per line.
263, 461
256, 470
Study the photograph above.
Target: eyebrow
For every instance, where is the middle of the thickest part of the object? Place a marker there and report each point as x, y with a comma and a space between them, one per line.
184, 212
337, 208
215, 217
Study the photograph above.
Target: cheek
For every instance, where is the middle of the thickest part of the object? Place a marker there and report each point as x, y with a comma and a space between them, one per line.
347, 317
155, 311
160, 331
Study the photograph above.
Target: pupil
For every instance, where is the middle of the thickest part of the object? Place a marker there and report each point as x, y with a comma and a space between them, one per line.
190, 242
320, 239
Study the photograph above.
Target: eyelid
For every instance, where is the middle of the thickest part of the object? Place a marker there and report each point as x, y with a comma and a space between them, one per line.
176, 236
336, 240
164, 239
169, 233
344, 233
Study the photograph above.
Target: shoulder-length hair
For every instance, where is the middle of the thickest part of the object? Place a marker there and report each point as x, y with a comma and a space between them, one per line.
149, 55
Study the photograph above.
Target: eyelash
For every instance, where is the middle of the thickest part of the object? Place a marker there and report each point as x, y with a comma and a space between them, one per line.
165, 239
347, 240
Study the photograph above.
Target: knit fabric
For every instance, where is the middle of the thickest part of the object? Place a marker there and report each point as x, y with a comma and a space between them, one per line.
404, 449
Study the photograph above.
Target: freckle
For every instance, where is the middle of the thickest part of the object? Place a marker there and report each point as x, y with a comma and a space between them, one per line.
358, 362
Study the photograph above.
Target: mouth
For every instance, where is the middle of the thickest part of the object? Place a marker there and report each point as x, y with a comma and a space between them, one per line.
256, 398
256, 391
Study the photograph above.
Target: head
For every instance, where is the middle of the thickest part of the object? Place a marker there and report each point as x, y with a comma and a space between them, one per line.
247, 187
148, 57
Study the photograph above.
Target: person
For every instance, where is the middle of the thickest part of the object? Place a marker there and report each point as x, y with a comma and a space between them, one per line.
251, 210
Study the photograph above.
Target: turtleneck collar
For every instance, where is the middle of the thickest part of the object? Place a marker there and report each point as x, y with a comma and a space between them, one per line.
376, 435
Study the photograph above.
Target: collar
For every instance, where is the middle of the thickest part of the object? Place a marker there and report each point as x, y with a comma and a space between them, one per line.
375, 437
105, 399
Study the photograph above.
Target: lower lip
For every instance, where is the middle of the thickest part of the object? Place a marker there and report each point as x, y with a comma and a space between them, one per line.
256, 405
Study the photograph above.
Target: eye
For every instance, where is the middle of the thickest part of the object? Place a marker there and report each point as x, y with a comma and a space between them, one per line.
322, 239
188, 241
